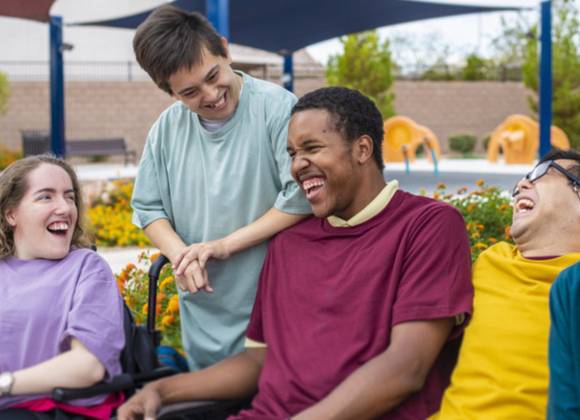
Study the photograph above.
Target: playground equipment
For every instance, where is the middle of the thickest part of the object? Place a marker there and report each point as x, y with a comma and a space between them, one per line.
518, 136
402, 138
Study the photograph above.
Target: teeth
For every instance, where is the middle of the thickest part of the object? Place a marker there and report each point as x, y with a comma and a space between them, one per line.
219, 103
524, 204
312, 183
58, 226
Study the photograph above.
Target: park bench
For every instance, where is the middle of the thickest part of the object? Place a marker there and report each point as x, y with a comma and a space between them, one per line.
100, 147
38, 142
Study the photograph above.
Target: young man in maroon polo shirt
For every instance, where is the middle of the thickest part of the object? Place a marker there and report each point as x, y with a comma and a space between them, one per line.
358, 309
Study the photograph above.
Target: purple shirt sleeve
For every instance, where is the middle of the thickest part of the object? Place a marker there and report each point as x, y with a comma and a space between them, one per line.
96, 314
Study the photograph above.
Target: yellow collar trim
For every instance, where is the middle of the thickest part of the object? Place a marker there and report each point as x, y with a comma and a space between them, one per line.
371, 210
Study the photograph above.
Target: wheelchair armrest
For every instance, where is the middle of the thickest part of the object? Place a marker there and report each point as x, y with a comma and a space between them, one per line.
118, 383
160, 372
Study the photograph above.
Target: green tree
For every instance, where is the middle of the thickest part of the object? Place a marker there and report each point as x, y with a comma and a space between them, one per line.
565, 67
4, 93
477, 68
366, 65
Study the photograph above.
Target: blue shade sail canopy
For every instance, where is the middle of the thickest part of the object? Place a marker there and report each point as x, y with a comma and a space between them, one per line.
285, 26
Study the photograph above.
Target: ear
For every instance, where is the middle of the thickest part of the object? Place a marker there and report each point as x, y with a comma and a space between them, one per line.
363, 149
10, 218
226, 47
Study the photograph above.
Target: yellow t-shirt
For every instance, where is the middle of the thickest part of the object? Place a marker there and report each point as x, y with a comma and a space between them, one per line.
502, 370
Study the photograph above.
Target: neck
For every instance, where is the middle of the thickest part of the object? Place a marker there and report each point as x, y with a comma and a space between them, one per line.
555, 248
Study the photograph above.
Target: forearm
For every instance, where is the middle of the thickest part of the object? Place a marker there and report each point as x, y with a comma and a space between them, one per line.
76, 368
232, 378
374, 389
163, 236
263, 228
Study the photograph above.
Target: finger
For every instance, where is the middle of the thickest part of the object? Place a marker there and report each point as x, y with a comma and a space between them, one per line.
207, 287
203, 256
181, 282
151, 406
187, 259
198, 277
191, 284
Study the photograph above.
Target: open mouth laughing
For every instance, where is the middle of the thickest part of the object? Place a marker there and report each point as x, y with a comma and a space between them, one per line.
58, 228
312, 186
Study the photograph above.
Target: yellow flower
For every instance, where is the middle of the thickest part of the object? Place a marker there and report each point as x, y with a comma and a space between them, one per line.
436, 195
471, 207
480, 246
173, 305
165, 283
167, 320
441, 186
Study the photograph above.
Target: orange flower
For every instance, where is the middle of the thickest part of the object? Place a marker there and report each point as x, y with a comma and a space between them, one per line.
462, 190
479, 226
471, 207
492, 240
155, 256
130, 267
504, 207
165, 283
167, 320
144, 309
441, 186
480, 246
436, 195
173, 305
507, 232
480, 183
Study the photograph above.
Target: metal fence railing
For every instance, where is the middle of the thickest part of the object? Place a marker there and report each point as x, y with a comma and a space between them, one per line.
74, 70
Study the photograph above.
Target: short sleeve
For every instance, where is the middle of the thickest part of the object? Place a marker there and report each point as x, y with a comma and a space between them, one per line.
147, 202
96, 315
564, 347
290, 199
255, 331
436, 275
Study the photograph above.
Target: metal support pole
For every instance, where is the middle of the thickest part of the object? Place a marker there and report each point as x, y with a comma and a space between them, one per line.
57, 129
218, 13
288, 76
546, 78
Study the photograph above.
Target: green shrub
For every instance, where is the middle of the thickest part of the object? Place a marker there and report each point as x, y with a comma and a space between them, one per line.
487, 212
462, 143
485, 141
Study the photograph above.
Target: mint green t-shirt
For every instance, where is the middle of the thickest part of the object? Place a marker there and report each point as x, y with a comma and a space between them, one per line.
209, 184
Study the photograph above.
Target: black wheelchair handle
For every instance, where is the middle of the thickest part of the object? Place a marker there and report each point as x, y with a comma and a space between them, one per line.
118, 383
154, 273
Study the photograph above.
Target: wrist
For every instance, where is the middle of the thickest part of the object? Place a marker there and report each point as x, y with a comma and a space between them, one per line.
6, 383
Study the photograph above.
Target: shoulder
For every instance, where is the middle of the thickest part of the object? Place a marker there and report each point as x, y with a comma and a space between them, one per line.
427, 210
568, 280
87, 259
270, 94
501, 250
304, 230
175, 117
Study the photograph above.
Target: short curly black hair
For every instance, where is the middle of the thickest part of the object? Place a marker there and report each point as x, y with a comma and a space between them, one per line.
353, 113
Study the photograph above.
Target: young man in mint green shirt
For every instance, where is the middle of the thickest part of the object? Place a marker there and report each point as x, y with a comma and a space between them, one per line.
214, 181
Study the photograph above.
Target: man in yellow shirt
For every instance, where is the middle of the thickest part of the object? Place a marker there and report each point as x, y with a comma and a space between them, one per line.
502, 370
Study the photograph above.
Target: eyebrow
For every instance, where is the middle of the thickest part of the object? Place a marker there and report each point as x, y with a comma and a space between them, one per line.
52, 190
207, 76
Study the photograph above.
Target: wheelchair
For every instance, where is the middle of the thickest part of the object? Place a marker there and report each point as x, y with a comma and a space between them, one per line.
140, 365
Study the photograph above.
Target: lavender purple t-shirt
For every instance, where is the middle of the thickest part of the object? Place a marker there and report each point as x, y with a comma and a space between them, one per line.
43, 303
329, 297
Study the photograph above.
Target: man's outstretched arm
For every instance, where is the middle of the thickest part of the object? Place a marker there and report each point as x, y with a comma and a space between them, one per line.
233, 378
388, 379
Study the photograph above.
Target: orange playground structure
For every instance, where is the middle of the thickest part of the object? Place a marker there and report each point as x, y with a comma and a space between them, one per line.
518, 137
402, 138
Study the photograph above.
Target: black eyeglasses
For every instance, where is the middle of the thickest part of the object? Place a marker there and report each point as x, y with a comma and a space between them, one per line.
541, 169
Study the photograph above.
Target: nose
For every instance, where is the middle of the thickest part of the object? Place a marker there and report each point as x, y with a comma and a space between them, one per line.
63, 206
299, 163
523, 184
210, 93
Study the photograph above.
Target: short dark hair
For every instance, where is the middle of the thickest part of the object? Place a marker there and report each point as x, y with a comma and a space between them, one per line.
353, 114
569, 154
171, 39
